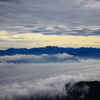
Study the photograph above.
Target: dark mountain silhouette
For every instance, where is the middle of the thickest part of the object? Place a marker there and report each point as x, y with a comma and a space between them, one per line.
80, 52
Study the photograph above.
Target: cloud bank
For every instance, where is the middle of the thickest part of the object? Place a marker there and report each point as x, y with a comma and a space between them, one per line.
44, 58
13, 72
67, 31
51, 88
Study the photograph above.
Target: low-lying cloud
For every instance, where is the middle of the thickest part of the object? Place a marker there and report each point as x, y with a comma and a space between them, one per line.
44, 58
12, 72
44, 88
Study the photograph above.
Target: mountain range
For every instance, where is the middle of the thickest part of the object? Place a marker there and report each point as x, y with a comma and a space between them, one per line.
50, 50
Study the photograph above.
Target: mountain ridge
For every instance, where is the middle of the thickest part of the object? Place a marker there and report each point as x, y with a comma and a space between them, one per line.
81, 52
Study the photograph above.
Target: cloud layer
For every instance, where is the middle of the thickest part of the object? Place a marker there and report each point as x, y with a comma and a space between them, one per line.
20, 81
12, 72
49, 88
67, 31
81, 14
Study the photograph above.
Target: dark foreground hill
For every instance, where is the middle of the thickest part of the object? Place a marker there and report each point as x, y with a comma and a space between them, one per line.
80, 91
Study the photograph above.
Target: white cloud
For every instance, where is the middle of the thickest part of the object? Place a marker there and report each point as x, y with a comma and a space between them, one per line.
35, 58
50, 87
10, 72
62, 56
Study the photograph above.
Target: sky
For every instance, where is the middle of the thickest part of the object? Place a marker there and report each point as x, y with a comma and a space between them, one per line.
39, 23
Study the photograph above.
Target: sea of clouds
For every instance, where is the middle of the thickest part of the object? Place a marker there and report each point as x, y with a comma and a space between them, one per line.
49, 87
22, 80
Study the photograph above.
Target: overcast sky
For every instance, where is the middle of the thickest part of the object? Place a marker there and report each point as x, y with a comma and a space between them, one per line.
38, 23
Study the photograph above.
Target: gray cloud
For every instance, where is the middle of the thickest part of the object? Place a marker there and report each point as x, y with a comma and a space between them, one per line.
85, 32
9, 0
97, 32
56, 30
47, 13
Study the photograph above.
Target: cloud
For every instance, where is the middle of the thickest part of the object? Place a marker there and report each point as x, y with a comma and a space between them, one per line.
93, 4
50, 80
44, 58
85, 32
7, 0
12, 72
17, 1
97, 32
57, 30
49, 88
47, 13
